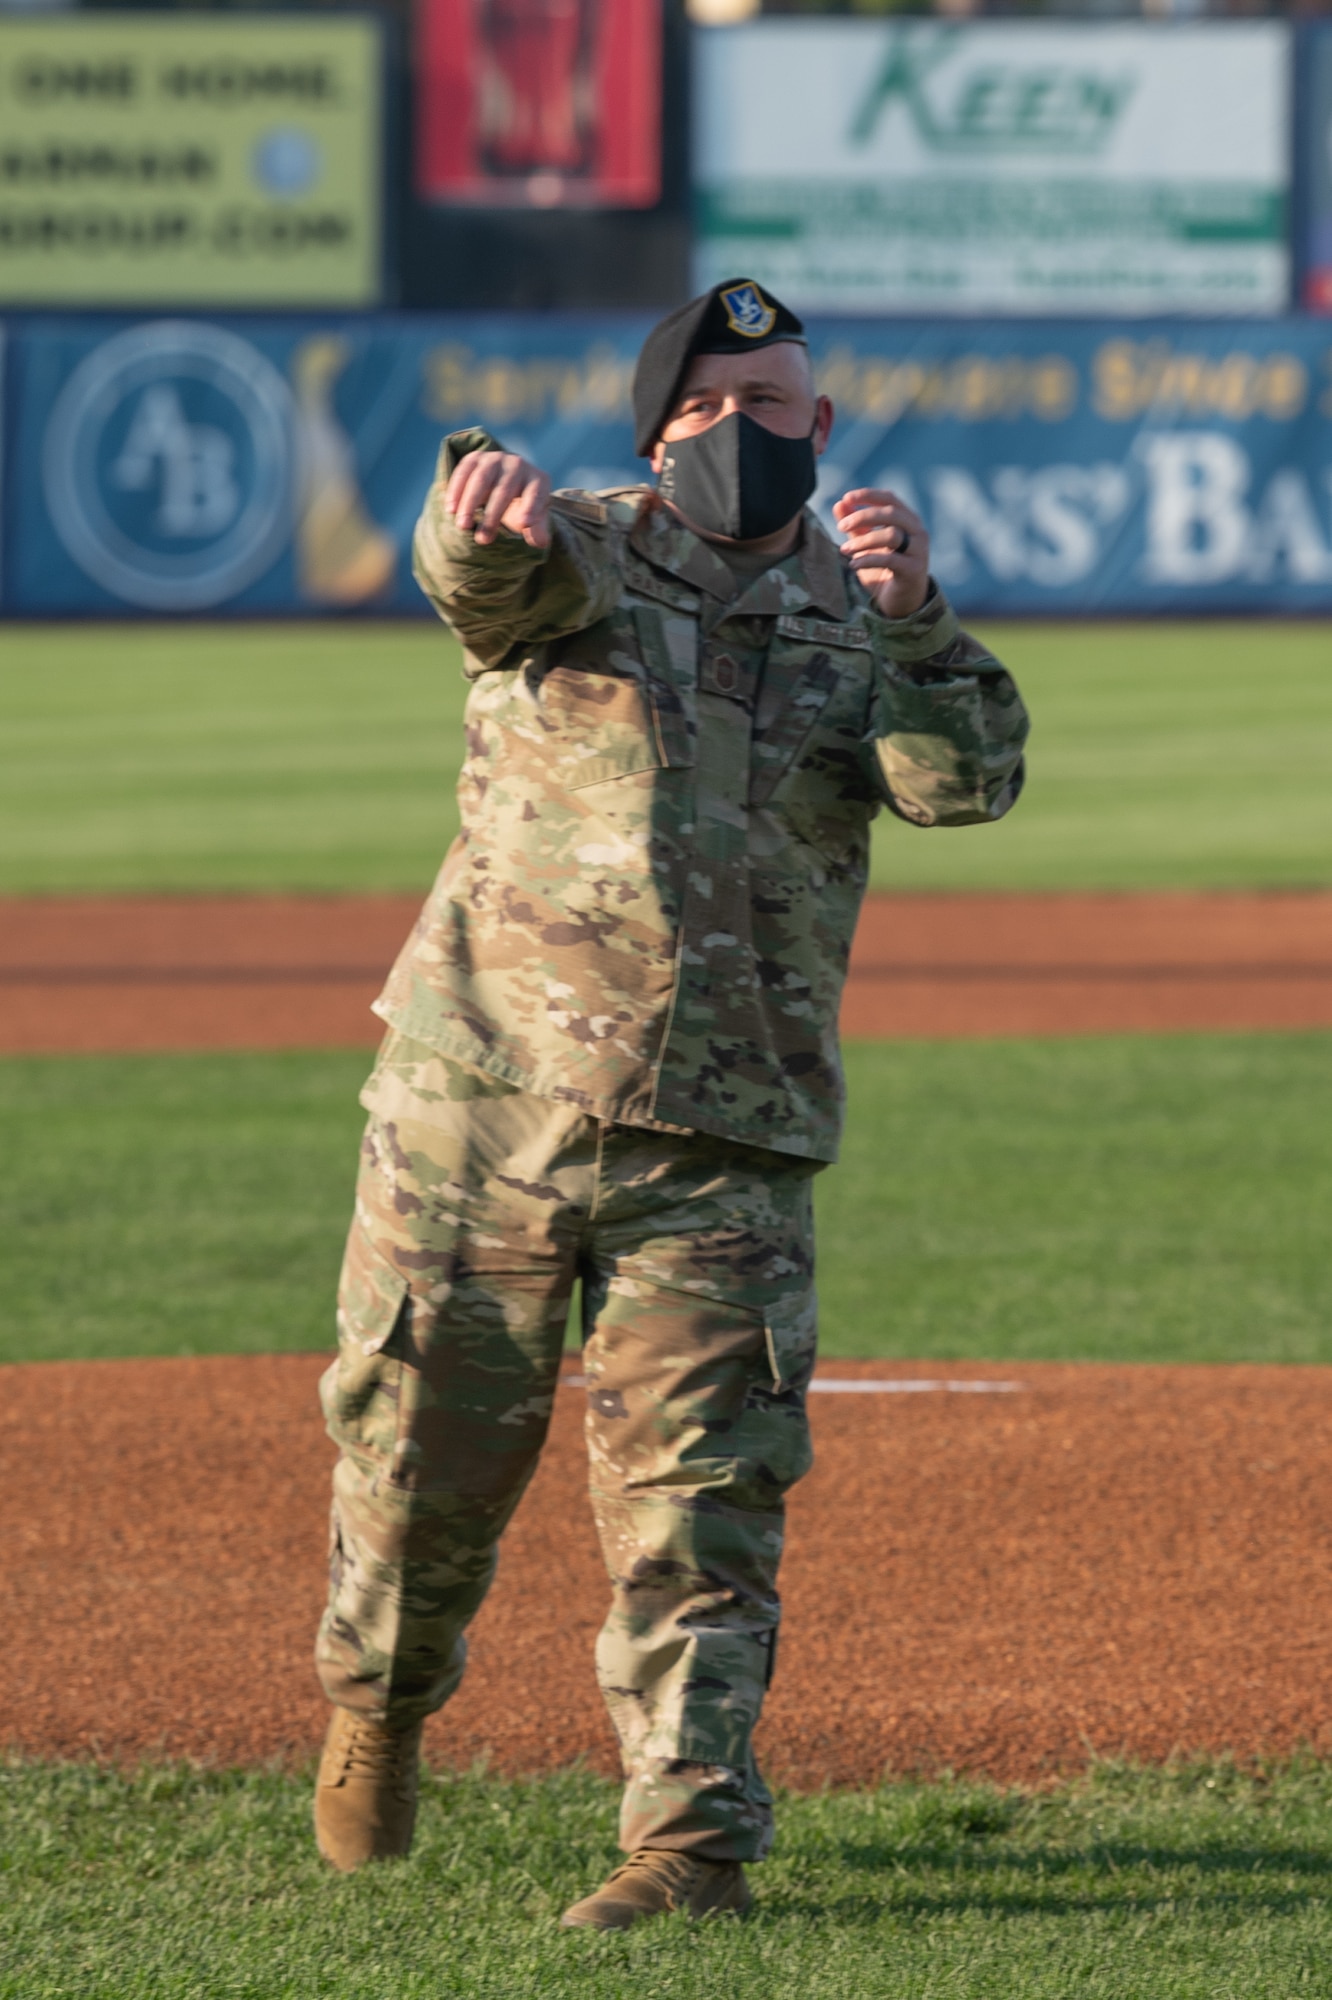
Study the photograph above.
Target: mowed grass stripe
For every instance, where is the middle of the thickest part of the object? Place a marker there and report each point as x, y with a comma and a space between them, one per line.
1161, 1198
172, 1884
1144, 1198
206, 757
325, 757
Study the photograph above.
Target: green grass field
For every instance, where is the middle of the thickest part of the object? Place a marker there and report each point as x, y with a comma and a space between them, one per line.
1111, 1199
324, 757
1199, 1884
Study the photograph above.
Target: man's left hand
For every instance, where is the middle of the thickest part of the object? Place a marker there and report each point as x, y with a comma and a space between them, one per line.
888, 548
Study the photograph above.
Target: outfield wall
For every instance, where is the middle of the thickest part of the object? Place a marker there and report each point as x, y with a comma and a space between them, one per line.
275, 466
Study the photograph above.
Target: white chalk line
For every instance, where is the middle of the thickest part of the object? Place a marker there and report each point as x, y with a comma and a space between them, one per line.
864, 1385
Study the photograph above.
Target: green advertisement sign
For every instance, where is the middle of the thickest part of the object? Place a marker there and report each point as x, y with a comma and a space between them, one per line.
1012, 166
155, 161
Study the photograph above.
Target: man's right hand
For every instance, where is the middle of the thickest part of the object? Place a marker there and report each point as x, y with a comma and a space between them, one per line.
490, 490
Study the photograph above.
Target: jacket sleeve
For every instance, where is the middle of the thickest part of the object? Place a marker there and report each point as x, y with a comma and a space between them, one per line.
948, 724
505, 597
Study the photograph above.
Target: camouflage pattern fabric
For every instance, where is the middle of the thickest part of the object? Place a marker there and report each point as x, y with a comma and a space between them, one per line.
477, 1205
666, 807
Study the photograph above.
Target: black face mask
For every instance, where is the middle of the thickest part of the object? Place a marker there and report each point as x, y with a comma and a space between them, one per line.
738, 479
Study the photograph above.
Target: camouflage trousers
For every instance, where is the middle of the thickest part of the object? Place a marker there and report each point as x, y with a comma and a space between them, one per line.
477, 1208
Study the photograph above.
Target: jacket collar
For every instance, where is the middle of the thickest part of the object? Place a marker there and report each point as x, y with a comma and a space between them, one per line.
811, 575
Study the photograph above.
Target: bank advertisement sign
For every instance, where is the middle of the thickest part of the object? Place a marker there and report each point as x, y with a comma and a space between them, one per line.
186, 465
278, 466
154, 159
1017, 167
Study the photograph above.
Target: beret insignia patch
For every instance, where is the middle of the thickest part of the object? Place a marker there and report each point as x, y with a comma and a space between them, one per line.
748, 312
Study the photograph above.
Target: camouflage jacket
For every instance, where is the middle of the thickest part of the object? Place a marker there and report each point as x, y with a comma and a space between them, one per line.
666, 805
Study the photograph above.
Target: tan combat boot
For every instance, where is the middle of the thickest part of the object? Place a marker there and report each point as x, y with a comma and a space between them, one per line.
365, 1794
653, 1881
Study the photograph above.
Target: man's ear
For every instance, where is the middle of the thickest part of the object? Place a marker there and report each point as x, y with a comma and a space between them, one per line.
823, 423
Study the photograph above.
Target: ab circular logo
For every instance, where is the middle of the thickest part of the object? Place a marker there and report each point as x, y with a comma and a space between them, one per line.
168, 465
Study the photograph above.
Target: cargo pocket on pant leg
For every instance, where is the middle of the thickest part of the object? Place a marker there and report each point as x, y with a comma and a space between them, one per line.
790, 1332
360, 1392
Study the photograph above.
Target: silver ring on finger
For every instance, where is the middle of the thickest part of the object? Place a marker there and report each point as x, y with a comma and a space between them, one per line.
904, 544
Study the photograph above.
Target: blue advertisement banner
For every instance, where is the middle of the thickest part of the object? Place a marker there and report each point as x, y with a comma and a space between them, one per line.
277, 466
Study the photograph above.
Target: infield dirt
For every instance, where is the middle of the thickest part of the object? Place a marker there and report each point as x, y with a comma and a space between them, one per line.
1123, 1561
1120, 1561
123, 973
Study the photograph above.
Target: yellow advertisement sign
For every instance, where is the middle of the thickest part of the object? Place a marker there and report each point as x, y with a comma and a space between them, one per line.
147, 160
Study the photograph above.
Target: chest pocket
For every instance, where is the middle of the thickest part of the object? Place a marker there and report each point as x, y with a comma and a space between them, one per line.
668, 647
614, 702
777, 747
807, 764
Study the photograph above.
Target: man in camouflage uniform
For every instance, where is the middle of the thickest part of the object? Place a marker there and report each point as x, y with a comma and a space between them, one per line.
612, 1055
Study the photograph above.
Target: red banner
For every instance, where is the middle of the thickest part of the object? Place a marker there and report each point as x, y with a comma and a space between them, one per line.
539, 103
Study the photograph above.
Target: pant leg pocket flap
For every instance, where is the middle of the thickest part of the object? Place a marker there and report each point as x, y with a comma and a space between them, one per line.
790, 1328
371, 1291
359, 1391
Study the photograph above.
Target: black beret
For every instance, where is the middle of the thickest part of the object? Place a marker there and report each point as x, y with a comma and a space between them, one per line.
730, 319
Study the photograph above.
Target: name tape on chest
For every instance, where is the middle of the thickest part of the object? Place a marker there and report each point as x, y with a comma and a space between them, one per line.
642, 582
821, 632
